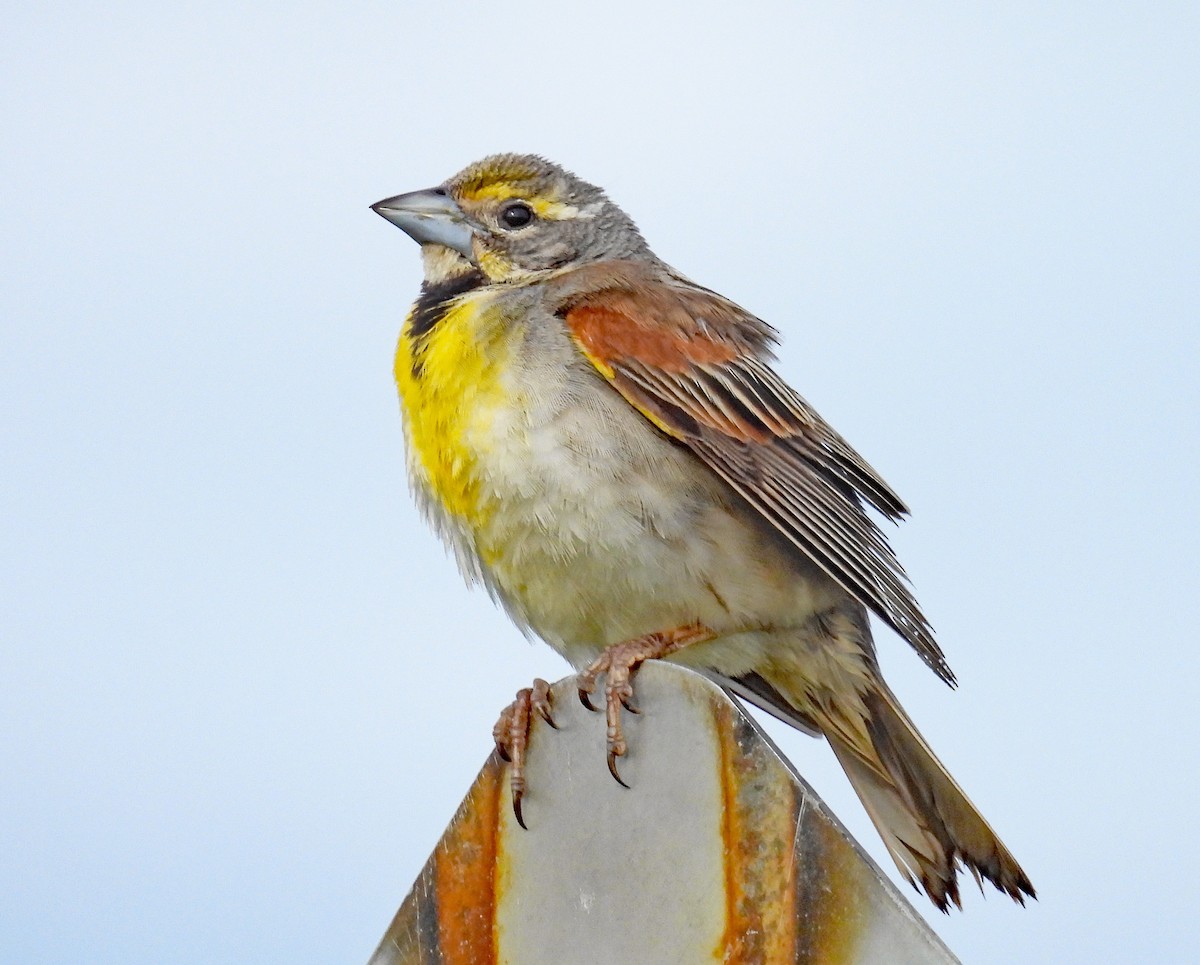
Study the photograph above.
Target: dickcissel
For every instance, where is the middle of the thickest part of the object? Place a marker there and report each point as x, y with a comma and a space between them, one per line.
605, 447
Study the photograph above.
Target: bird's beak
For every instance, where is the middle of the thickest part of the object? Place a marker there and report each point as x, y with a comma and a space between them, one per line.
430, 218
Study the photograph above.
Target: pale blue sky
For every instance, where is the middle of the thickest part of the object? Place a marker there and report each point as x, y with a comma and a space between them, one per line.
242, 687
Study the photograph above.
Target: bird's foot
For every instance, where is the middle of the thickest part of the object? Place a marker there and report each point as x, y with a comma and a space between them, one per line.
619, 663
512, 735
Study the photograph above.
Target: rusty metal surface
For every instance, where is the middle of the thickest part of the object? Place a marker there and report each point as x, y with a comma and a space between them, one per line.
718, 853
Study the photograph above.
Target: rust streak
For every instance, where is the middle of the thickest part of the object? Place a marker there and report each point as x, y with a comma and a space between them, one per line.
729, 951
465, 870
832, 904
759, 827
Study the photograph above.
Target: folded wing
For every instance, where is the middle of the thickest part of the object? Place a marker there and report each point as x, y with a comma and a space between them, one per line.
696, 365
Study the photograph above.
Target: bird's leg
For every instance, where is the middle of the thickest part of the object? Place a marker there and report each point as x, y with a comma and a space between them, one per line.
619, 663
512, 735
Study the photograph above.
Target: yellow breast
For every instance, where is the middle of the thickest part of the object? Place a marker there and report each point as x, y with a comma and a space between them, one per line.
450, 381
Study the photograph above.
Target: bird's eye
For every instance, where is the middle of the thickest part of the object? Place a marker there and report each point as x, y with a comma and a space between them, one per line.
516, 215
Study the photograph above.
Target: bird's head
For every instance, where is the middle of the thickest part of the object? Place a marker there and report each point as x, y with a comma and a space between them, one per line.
513, 217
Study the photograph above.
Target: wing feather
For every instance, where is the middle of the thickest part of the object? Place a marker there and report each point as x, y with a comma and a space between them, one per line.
697, 366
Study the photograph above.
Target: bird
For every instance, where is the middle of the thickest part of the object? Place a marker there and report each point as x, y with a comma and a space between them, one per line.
607, 448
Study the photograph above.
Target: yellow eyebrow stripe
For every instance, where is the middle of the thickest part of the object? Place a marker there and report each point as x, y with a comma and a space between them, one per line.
546, 208
493, 191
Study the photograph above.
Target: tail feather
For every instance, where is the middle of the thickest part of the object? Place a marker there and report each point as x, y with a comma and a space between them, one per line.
929, 826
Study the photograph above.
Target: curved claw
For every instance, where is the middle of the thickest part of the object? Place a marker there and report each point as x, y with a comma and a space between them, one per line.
612, 769
511, 734
629, 705
585, 699
516, 805
540, 700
